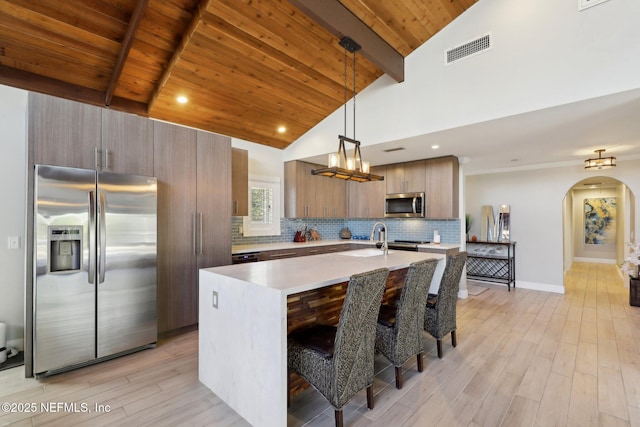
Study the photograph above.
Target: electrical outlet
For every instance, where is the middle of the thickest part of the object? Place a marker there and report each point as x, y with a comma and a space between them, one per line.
13, 242
214, 299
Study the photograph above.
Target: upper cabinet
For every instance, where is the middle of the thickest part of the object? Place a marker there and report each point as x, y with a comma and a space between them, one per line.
240, 182
405, 177
309, 196
127, 143
72, 134
442, 187
366, 199
64, 133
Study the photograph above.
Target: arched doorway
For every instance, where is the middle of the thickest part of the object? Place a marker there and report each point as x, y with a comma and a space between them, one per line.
598, 218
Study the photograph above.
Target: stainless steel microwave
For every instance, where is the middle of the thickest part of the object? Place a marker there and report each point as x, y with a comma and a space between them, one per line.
404, 205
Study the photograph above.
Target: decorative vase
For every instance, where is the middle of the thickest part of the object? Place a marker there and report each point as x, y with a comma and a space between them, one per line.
634, 292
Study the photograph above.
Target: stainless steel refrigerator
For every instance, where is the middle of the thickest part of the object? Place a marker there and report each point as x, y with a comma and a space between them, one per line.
94, 266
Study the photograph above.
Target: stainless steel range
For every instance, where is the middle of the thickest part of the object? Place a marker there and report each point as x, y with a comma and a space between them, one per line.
407, 245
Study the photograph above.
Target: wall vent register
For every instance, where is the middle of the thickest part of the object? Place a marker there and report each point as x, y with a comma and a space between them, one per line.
468, 49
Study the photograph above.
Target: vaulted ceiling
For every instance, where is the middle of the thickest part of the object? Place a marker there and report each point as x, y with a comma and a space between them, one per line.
246, 66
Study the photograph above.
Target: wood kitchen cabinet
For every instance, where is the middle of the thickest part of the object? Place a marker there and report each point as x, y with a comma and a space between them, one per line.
331, 194
194, 222
62, 132
127, 143
309, 196
366, 199
442, 187
72, 134
240, 182
405, 177
299, 190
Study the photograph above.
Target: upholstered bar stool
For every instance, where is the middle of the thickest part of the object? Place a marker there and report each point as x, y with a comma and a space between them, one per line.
440, 314
400, 326
338, 361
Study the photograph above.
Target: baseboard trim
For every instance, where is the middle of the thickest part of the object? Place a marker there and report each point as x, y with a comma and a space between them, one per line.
544, 287
596, 260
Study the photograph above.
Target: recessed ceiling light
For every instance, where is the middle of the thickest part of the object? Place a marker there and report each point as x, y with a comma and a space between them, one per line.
435, 147
182, 99
282, 129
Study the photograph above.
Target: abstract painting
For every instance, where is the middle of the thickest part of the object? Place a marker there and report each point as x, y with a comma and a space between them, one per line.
600, 221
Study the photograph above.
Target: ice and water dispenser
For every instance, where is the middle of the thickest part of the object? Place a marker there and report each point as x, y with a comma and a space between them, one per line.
65, 249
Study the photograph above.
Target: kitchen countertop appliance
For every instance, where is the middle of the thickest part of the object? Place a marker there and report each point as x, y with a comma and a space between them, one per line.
94, 275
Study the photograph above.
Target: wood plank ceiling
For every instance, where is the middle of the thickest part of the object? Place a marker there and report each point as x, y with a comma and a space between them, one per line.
246, 66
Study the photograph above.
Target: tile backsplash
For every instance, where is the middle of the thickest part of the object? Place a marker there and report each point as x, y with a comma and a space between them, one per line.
397, 229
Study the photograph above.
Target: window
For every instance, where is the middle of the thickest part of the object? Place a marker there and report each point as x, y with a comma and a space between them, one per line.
264, 207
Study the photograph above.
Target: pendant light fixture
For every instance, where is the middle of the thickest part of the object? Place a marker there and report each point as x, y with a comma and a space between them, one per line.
600, 162
339, 164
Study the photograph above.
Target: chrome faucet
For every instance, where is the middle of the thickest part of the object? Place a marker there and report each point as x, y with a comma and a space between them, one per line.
385, 245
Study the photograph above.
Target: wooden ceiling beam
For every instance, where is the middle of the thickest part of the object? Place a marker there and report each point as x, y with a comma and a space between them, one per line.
132, 28
203, 5
37, 83
339, 21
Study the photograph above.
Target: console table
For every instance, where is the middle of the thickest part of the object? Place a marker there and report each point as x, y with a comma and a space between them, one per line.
492, 262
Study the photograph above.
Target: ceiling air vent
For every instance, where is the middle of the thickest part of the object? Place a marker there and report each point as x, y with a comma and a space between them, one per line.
468, 49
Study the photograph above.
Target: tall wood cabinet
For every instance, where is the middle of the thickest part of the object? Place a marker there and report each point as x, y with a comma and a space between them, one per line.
240, 182
366, 199
194, 225
442, 193
72, 134
309, 196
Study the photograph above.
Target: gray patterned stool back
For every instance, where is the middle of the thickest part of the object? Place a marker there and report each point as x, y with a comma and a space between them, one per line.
440, 315
338, 362
400, 326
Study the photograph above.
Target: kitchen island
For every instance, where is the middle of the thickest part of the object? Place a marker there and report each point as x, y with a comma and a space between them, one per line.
243, 316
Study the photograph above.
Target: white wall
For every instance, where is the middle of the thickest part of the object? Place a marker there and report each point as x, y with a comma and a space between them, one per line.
545, 53
13, 185
594, 253
536, 198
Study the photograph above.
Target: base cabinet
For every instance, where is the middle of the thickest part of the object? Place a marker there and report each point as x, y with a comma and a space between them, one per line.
194, 225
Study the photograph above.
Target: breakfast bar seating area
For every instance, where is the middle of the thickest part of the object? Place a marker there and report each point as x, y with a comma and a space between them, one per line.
246, 312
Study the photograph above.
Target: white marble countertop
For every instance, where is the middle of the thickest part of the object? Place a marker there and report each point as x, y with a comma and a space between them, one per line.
293, 275
240, 249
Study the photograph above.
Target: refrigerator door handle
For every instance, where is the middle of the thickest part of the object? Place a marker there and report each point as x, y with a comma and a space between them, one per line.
102, 238
92, 236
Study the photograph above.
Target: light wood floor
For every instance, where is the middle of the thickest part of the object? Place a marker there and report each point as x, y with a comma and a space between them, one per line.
523, 358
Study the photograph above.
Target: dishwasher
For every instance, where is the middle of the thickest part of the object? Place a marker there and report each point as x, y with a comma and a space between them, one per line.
245, 258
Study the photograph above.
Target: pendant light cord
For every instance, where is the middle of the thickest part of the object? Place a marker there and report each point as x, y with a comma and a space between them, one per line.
345, 92
354, 95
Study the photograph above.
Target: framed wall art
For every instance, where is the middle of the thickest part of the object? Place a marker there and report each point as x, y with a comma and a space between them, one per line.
600, 221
